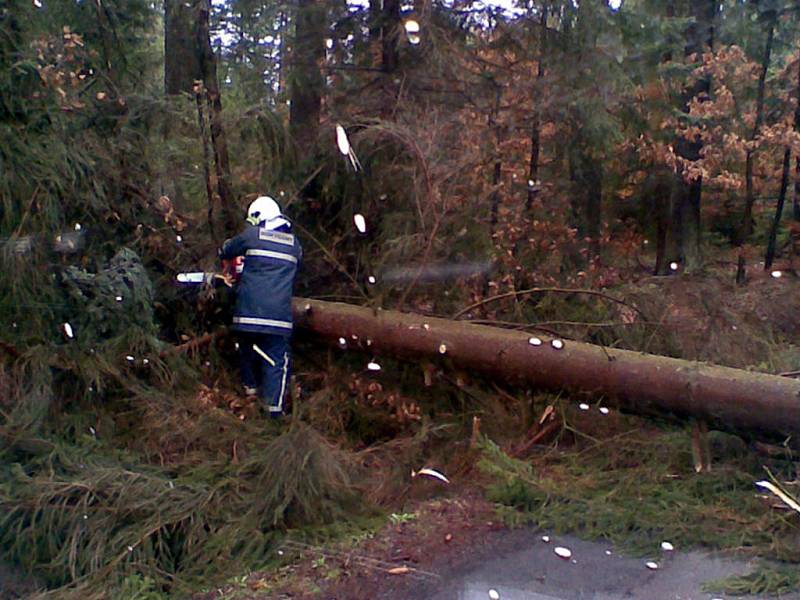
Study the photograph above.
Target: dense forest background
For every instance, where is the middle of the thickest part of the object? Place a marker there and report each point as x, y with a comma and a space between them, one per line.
495, 151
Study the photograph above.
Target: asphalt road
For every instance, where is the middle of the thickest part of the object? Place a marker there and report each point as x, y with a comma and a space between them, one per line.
595, 571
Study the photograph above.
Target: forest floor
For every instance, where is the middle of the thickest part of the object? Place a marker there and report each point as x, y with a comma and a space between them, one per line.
602, 483
454, 547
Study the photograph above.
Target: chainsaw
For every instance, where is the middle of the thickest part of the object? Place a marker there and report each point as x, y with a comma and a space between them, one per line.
231, 273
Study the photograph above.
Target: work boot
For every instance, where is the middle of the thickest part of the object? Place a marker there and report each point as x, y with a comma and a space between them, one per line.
274, 413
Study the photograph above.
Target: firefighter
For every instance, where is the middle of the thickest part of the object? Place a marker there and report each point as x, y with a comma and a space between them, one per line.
263, 313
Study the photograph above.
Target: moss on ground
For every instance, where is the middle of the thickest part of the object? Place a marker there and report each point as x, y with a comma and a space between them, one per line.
767, 578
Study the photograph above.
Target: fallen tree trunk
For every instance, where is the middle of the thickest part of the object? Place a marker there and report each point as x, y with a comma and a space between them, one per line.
641, 383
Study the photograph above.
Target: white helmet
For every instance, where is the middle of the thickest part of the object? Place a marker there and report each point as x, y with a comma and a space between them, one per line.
265, 211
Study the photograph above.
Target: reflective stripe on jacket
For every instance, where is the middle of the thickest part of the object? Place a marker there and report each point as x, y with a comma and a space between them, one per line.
264, 294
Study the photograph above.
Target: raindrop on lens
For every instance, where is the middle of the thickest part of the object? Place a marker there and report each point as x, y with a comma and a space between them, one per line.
604, 410
371, 279
442, 349
178, 238
373, 366
652, 565
118, 298
129, 358
66, 328
557, 344
494, 595
667, 547
562, 552
342, 141
583, 406
412, 31
534, 341
77, 226
342, 342
360, 222
776, 274
673, 266
546, 539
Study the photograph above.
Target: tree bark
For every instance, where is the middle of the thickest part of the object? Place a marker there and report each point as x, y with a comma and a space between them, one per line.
642, 383
181, 57
201, 123
699, 34
533, 168
773, 231
498, 163
796, 211
306, 83
747, 219
218, 138
587, 174
661, 193
283, 26
796, 203
390, 35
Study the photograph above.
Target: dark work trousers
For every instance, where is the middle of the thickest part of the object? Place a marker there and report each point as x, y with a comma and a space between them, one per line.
265, 364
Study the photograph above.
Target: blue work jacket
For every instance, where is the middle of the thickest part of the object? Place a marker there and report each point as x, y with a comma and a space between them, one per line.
264, 294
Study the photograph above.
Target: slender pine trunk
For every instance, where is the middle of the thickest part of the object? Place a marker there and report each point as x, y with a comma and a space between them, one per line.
533, 167
773, 232
219, 142
747, 220
776, 221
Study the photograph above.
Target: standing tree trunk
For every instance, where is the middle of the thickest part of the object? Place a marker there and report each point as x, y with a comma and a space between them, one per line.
796, 211
662, 197
699, 34
536, 126
587, 176
498, 163
283, 27
390, 35
181, 70
181, 57
306, 83
201, 123
219, 142
747, 220
773, 232
796, 203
